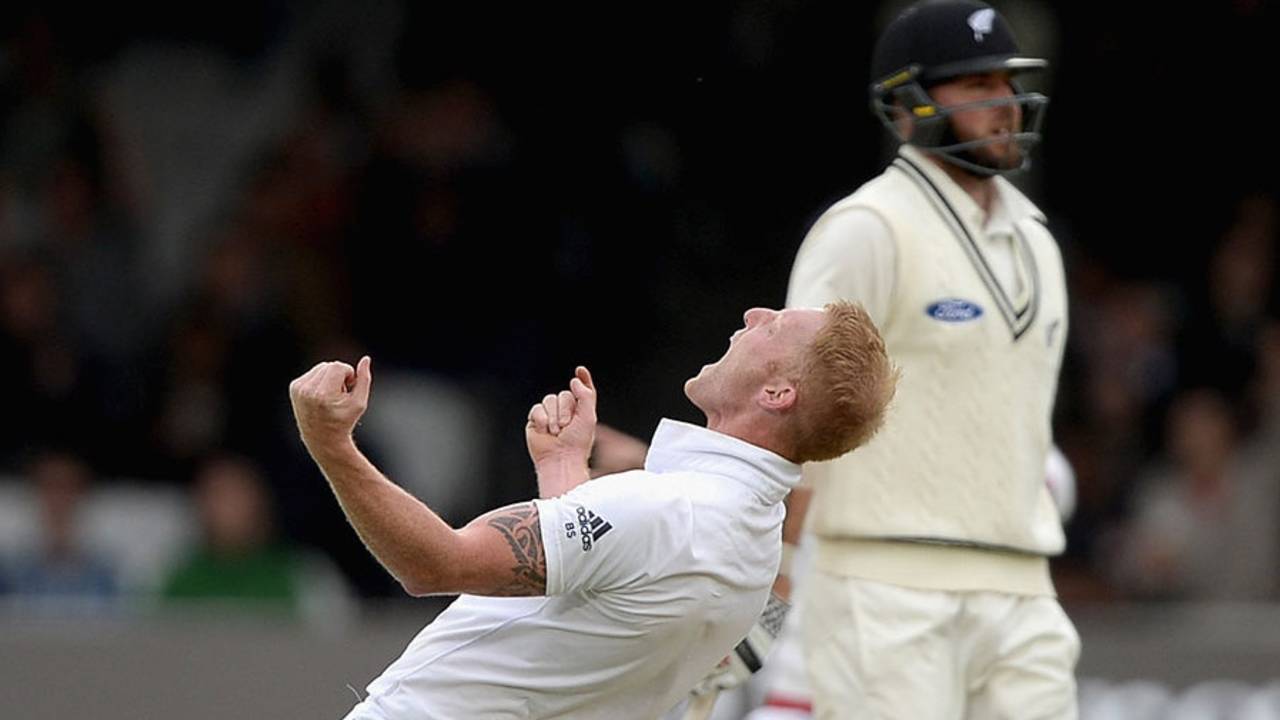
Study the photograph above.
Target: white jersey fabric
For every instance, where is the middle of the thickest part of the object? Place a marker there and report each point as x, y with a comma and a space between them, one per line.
850, 252
930, 595
951, 493
652, 577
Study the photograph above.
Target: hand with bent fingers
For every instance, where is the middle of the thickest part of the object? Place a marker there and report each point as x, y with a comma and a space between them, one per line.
562, 427
328, 400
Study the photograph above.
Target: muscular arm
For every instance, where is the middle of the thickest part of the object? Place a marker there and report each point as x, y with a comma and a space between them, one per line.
519, 526
499, 553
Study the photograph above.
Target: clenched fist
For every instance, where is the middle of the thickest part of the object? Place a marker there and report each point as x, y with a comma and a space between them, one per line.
563, 425
329, 400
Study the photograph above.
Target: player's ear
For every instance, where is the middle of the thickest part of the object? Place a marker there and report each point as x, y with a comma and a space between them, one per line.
776, 397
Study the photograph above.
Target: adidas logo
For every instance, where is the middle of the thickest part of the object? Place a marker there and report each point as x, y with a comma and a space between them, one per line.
591, 527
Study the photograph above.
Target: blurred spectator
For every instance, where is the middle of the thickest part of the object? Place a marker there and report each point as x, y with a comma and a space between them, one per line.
1123, 370
1266, 394
191, 419
1240, 291
41, 362
1206, 522
230, 328
239, 559
61, 572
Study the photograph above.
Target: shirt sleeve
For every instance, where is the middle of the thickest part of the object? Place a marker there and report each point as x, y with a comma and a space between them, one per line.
609, 531
847, 255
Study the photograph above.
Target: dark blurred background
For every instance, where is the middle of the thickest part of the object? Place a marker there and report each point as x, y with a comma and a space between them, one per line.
199, 202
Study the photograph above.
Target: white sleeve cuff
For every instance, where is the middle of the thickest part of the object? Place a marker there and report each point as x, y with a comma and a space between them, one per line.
548, 521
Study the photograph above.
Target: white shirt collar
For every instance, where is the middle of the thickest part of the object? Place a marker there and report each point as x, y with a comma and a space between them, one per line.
680, 446
955, 195
1010, 204
1000, 221
1017, 206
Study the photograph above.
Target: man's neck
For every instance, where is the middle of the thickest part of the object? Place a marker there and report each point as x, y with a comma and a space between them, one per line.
981, 189
747, 429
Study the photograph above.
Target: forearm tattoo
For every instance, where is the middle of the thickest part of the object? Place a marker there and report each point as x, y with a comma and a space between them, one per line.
519, 526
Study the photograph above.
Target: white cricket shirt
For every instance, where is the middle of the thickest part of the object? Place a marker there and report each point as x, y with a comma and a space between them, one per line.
850, 253
652, 577
950, 494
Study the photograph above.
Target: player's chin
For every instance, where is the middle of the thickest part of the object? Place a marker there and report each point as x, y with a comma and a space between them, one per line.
690, 384
694, 384
1004, 154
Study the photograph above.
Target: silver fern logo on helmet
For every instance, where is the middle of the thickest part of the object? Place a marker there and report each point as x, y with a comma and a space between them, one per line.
981, 22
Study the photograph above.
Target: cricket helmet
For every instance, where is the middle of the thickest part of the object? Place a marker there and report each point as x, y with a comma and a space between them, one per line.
932, 42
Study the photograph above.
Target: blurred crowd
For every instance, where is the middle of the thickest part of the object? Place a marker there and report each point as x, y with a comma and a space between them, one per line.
1170, 414
196, 209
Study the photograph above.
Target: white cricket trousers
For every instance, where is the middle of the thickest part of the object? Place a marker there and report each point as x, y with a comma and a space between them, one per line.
883, 651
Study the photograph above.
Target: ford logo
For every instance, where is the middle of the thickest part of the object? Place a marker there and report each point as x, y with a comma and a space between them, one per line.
954, 310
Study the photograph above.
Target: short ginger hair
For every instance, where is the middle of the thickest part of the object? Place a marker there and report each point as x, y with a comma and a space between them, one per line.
845, 383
